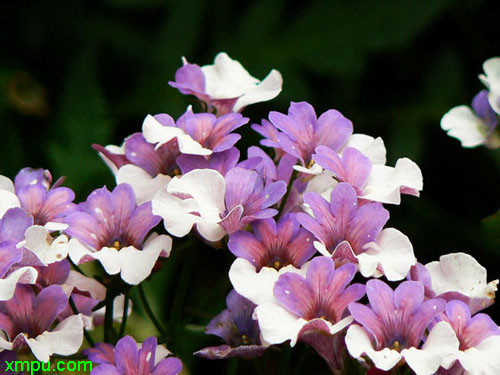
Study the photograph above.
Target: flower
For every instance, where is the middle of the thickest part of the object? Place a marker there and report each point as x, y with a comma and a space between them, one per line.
301, 131
473, 126
127, 357
322, 294
375, 182
393, 325
271, 250
216, 204
111, 228
479, 338
351, 231
13, 224
27, 319
237, 328
457, 276
226, 85
491, 79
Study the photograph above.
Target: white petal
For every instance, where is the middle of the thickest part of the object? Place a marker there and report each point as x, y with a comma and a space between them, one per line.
154, 132
322, 184
85, 284
440, 349
7, 184
385, 182
227, 78
461, 123
65, 339
257, 286
48, 249
314, 170
77, 250
277, 324
393, 252
268, 89
136, 264
8, 200
460, 272
207, 187
23, 275
358, 343
175, 212
322, 248
483, 359
145, 187
53, 226
109, 258
373, 148
492, 81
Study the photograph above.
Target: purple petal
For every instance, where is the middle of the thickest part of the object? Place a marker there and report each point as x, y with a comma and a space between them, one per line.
140, 223
189, 79
226, 352
357, 166
143, 154
32, 197
13, 224
370, 321
30, 176
84, 227
245, 245
146, 356
107, 370
126, 355
118, 160
381, 298
168, 366
408, 296
482, 107
9, 255
344, 202
55, 273
49, 303
241, 184
333, 129
366, 225
102, 353
292, 292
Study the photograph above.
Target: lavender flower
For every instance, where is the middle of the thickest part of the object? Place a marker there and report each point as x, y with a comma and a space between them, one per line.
237, 328
301, 131
27, 319
479, 340
392, 328
226, 85
352, 232
127, 358
111, 228
13, 224
322, 294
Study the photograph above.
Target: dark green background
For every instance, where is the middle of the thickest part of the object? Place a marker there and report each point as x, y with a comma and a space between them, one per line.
74, 73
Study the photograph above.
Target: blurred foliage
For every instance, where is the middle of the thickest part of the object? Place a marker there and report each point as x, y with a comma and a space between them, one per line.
73, 73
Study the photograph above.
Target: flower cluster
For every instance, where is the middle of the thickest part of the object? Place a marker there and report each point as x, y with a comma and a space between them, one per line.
314, 260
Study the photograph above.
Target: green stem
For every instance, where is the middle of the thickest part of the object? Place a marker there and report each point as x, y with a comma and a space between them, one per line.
88, 337
149, 311
125, 316
108, 318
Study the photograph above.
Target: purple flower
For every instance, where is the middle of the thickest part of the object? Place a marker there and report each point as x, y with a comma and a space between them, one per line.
222, 162
13, 224
47, 205
111, 228
273, 245
323, 294
237, 328
479, 340
128, 358
27, 319
301, 130
473, 126
393, 326
216, 204
456, 276
351, 231
226, 85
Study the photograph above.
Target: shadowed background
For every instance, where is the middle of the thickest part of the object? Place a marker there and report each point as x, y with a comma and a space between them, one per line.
73, 73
